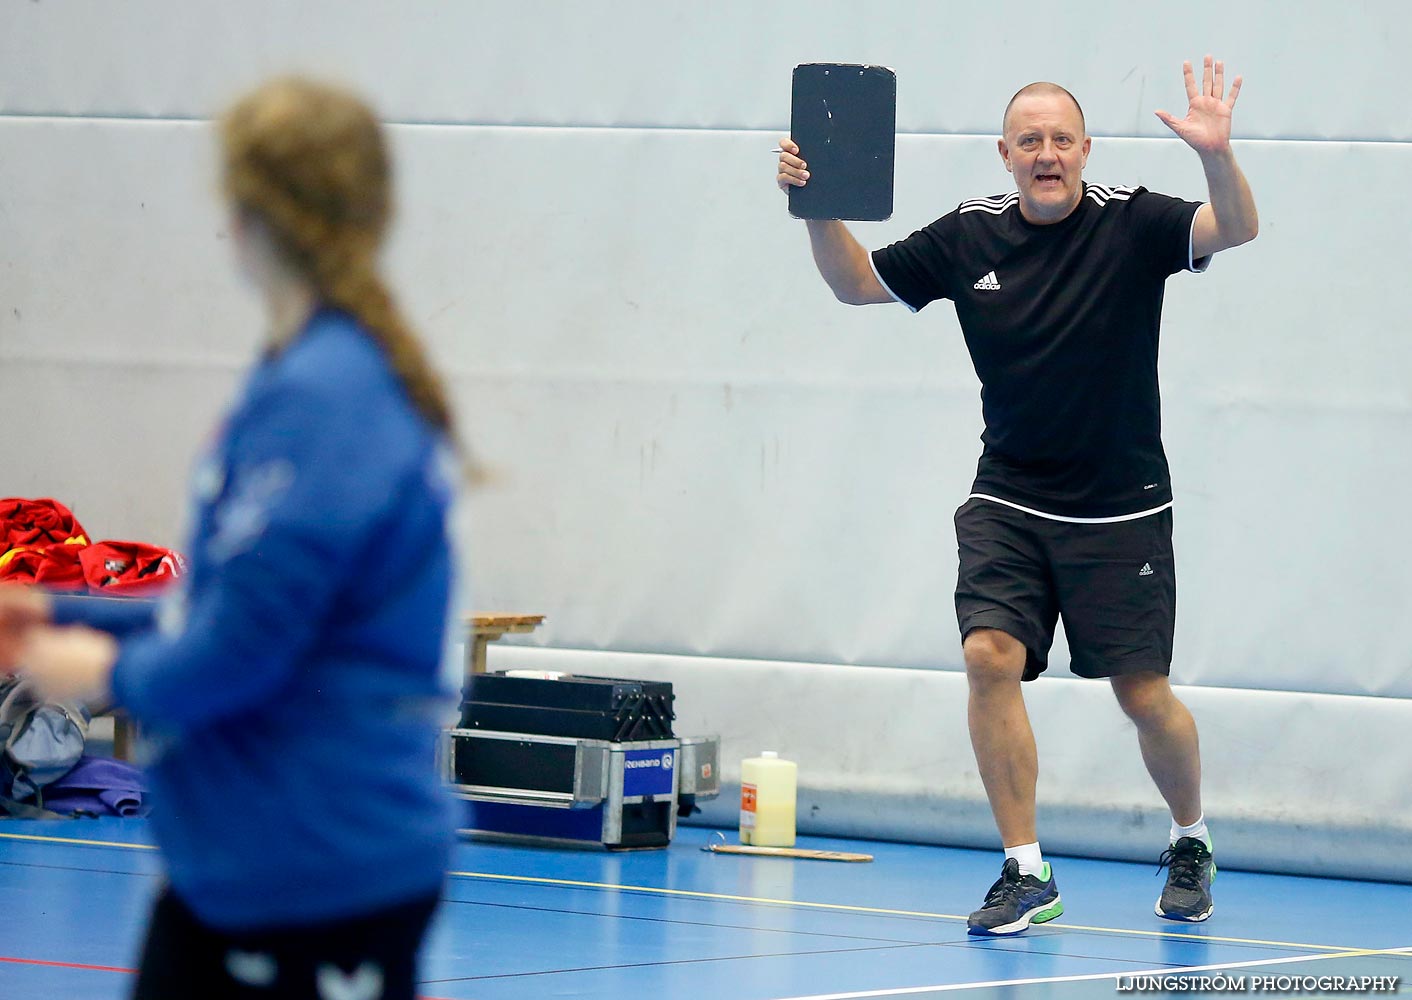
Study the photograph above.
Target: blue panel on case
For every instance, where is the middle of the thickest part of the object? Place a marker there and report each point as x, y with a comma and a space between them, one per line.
648, 772
536, 821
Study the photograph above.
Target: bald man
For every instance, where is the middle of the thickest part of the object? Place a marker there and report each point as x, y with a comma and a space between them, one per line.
1058, 289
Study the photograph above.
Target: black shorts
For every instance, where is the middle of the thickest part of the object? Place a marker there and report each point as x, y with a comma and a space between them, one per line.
1114, 584
373, 955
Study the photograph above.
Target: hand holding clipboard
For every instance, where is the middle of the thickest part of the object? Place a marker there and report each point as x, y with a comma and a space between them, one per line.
838, 160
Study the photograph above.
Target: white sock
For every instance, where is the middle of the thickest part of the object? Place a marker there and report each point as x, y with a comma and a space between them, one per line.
1197, 830
1030, 859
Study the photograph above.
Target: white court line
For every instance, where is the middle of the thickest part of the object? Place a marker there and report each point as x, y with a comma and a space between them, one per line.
1181, 970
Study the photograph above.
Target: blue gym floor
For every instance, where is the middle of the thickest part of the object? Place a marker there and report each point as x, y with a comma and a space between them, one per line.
535, 923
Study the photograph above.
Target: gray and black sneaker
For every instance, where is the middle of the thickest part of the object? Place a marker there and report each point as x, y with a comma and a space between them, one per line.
1190, 872
1015, 901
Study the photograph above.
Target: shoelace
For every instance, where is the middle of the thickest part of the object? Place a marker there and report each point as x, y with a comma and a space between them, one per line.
1185, 865
1004, 889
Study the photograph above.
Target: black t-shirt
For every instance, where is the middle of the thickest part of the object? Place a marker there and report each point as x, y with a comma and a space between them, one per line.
1062, 325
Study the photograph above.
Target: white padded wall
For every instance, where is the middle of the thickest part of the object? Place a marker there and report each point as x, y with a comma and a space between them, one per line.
699, 451
884, 753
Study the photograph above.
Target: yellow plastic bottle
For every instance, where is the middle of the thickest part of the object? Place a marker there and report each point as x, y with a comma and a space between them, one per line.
767, 795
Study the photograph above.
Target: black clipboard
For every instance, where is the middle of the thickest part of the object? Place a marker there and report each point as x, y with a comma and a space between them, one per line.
843, 117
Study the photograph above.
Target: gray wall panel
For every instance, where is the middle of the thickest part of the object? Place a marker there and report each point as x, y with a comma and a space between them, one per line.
1321, 71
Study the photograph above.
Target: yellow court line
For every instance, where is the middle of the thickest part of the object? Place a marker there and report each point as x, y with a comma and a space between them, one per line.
723, 897
847, 908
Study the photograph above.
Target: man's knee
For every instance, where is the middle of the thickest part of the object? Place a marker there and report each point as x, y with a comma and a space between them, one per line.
1144, 697
993, 657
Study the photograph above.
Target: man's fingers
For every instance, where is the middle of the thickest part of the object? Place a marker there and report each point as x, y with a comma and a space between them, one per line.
788, 177
793, 171
1219, 89
1190, 78
792, 177
1206, 75
1172, 123
1235, 89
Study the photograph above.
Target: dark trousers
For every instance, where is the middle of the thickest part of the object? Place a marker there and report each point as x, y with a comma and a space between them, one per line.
372, 956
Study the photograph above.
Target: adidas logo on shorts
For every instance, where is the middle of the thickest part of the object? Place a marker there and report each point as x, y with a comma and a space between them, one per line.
989, 283
1146, 570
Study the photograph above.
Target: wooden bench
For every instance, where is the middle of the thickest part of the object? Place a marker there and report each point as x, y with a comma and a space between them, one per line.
486, 627
124, 734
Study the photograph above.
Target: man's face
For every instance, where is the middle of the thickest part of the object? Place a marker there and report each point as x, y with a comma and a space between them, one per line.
1045, 148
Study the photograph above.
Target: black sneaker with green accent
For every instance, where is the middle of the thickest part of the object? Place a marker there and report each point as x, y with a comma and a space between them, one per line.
1015, 901
1190, 872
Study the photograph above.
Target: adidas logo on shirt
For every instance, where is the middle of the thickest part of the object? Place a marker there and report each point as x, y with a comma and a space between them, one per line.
1146, 570
989, 283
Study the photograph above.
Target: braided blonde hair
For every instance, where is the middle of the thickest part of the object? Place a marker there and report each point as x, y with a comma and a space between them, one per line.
310, 162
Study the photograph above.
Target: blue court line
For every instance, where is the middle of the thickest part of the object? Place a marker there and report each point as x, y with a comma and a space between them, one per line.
709, 960
880, 945
678, 922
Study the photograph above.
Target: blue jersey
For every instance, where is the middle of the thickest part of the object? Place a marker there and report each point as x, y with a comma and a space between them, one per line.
293, 688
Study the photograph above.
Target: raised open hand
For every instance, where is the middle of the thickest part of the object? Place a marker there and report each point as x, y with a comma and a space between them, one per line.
1207, 125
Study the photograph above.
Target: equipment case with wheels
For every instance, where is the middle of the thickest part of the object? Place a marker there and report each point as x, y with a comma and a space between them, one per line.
554, 760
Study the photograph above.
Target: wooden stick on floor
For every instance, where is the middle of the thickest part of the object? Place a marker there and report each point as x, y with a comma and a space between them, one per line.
786, 852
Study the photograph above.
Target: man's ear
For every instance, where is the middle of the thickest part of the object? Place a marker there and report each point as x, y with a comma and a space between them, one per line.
1004, 154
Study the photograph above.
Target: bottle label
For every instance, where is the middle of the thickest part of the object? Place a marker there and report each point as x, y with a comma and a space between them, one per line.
747, 806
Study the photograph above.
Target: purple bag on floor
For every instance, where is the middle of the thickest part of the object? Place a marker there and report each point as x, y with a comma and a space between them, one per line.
99, 785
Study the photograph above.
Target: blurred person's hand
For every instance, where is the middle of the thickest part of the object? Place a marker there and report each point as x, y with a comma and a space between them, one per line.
68, 664
21, 609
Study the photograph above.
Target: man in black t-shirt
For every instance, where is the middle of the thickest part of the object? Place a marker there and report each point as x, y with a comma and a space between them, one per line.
1058, 288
